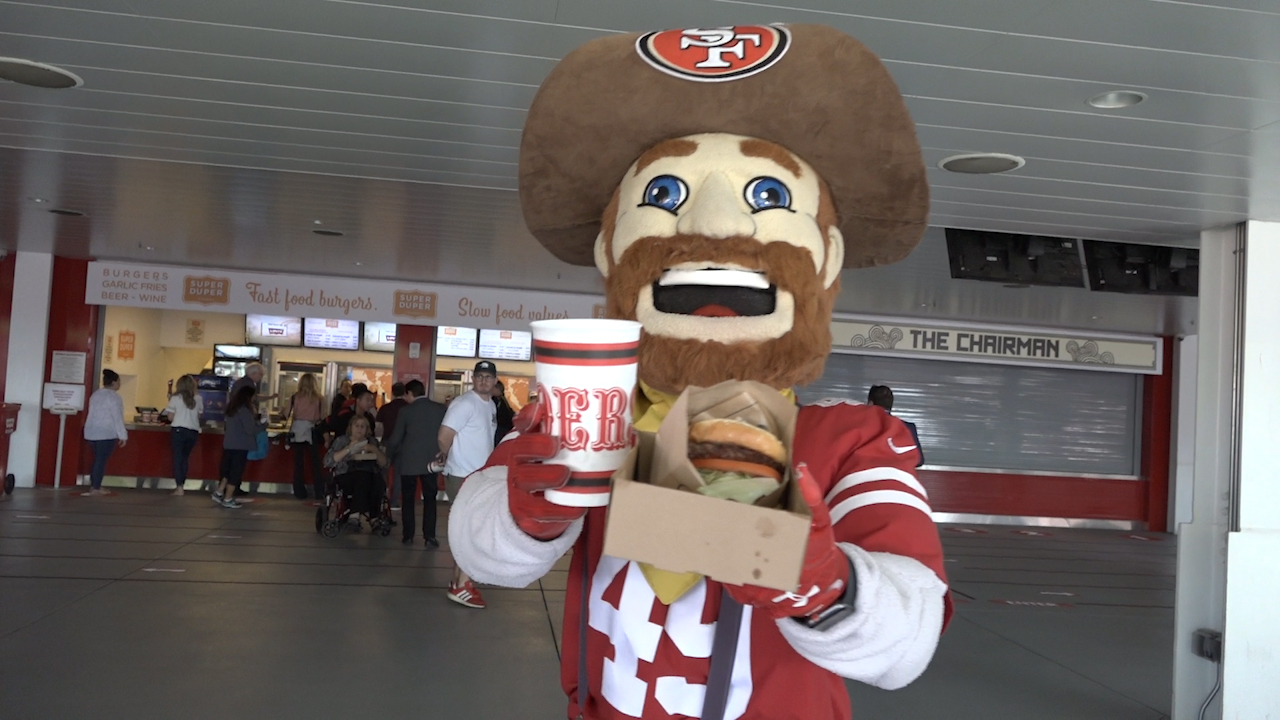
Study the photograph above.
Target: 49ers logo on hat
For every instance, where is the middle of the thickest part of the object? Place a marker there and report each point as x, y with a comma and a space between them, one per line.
715, 54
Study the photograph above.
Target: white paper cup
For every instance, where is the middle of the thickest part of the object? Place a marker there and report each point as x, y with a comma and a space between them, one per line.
586, 375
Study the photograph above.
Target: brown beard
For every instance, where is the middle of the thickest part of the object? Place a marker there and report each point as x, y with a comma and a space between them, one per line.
671, 364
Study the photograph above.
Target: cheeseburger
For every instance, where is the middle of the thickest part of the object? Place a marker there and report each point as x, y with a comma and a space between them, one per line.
737, 460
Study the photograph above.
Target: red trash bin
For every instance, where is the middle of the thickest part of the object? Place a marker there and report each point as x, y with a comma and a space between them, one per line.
9, 416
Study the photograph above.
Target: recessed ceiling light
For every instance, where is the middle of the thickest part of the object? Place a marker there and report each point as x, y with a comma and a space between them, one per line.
38, 200
329, 233
1116, 99
317, 222
358, 263
981, 163
1093, 317
36, 74
66, 212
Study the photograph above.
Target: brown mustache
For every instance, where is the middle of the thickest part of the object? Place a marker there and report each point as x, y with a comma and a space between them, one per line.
787, 266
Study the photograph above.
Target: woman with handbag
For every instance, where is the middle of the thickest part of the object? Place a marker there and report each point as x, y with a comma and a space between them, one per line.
241, 436
305, 410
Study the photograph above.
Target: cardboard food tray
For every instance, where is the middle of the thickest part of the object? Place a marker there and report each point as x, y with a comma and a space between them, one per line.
657, 518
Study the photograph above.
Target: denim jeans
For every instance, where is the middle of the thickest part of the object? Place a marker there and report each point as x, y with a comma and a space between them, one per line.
102, 450
183, 441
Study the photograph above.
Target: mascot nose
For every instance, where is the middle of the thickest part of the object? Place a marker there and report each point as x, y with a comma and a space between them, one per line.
716, 210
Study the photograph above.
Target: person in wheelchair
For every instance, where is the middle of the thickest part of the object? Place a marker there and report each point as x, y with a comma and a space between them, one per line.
357, 463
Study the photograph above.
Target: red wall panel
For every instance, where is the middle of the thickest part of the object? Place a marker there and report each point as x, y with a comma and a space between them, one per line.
419, 368
1157, 430
1035, 495
73, 327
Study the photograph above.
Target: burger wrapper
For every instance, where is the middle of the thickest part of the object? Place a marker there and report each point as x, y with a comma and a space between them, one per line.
654, 517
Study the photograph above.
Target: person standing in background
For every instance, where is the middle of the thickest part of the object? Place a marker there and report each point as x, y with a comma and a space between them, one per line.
361, 404
413, 447
241, 436
305, 410
882, 396
466, 441
184, 411
340, 399
253, 374
384, 425
506, 415
104, 428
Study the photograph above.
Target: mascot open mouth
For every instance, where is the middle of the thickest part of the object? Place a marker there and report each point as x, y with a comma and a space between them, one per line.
715, 292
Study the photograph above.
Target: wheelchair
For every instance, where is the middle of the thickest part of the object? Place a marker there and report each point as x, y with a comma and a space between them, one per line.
348, 496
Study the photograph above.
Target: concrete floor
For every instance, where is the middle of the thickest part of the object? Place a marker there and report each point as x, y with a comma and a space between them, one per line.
142, 605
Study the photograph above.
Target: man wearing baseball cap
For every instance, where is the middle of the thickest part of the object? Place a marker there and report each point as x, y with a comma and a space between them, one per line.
466, 440
720, 179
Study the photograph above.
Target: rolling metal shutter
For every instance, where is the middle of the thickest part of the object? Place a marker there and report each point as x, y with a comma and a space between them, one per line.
1002, 417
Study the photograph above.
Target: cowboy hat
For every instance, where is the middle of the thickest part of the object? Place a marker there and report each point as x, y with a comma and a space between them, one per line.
810, 88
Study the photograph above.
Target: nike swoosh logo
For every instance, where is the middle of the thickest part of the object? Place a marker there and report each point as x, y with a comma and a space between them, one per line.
901, 450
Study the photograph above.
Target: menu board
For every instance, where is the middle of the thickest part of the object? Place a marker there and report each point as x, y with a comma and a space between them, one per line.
332, 334
456, 341
273, 330
380, 336
505, 344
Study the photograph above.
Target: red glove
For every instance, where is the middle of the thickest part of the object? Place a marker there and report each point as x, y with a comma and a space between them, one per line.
527, 477
826, 569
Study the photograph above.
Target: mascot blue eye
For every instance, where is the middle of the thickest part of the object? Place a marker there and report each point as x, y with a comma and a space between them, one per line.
766, 193
667, 192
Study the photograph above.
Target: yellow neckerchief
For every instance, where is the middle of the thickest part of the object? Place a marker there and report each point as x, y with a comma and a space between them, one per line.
652, 406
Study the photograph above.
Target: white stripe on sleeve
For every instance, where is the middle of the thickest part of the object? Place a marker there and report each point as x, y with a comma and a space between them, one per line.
879, 497
873, 475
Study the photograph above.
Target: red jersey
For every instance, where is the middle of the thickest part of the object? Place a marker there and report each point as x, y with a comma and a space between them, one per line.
649, 660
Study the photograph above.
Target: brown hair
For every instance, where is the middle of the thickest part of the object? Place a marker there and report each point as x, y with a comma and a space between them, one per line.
187, 389
243, 398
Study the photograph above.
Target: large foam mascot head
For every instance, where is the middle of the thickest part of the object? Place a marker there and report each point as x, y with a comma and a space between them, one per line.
720, 179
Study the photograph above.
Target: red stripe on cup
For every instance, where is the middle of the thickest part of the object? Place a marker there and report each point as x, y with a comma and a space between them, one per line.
585, 362
595, 347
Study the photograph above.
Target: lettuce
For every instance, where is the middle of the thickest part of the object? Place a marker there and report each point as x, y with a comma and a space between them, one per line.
736, 486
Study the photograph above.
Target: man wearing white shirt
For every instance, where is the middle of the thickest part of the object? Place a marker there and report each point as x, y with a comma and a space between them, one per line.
466, 441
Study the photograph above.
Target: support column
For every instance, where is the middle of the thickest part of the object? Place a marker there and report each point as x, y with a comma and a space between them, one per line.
1202, 542
24, 376
1251, 664
1229, 551
73, 326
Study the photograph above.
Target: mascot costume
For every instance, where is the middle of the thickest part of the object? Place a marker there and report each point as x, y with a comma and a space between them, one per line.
720, 179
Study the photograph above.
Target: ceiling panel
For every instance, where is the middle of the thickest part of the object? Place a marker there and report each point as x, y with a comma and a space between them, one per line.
1063, 123
1217, 160
414, 82
340, 126
219, 132
1093, 191
1211, 75
1022, 90
1177, 27
1100, 210
1110, 175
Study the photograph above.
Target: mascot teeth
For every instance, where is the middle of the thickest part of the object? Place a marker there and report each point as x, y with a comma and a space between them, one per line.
714, 292
715, 276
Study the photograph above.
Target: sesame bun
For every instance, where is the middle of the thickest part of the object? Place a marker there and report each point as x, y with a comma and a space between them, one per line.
736, 432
